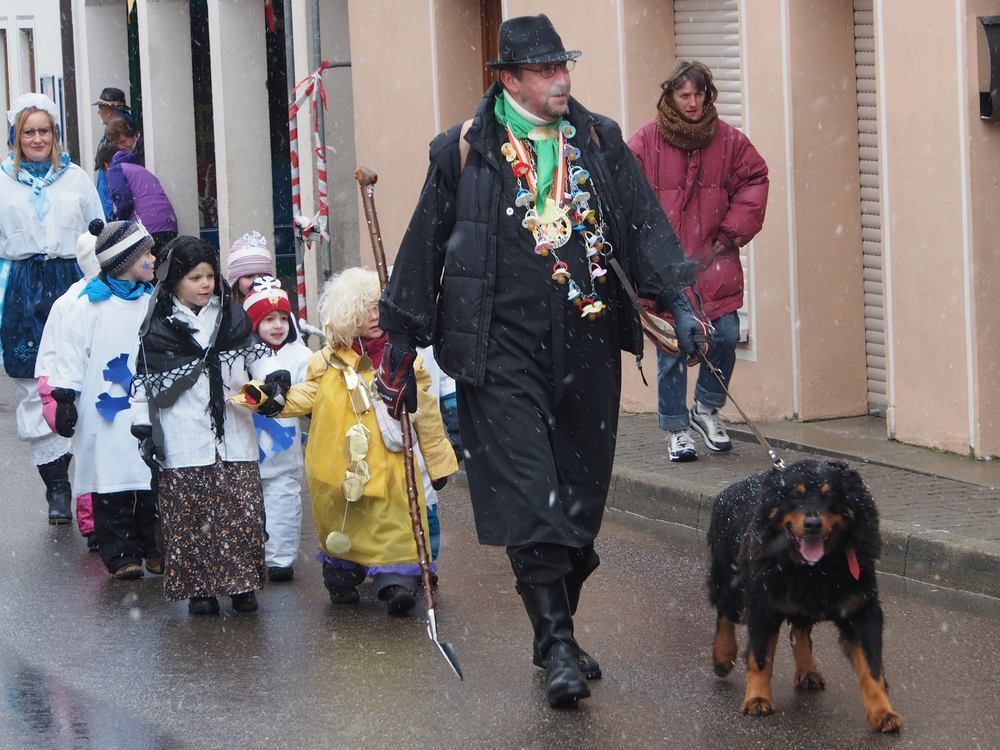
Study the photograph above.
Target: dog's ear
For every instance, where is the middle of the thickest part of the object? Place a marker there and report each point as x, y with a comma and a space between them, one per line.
773, 489
864, 533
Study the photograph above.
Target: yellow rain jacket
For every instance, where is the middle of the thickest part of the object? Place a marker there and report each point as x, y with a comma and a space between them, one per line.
379, 523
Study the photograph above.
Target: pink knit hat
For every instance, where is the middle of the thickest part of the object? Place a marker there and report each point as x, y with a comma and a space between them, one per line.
249, 256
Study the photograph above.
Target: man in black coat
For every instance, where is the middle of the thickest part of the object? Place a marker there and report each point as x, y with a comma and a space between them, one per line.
505, 269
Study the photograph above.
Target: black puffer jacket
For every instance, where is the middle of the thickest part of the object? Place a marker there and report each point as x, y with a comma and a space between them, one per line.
441, 290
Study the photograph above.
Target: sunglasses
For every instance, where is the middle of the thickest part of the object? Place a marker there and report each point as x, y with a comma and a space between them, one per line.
549, 70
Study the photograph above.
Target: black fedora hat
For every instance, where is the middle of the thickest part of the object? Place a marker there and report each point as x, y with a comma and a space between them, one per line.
530, 40
112, 97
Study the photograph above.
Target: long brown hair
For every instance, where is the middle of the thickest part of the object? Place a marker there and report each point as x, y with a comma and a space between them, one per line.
685, 71
22, 118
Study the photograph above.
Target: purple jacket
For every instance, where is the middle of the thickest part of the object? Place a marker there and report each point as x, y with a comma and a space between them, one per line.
138, 195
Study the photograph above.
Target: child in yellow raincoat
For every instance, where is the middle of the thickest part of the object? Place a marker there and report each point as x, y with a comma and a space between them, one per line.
354, 460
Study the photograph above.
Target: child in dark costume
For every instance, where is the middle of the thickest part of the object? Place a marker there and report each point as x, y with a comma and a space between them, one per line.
194, 352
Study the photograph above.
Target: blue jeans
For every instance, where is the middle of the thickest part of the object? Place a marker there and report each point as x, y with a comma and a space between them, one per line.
671, 376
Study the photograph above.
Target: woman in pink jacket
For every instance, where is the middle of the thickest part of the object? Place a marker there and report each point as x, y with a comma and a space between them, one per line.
712, 184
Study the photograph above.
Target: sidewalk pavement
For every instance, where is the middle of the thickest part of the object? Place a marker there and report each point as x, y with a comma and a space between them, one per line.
939, 513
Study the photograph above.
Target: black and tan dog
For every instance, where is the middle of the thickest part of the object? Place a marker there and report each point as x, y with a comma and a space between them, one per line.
799, 545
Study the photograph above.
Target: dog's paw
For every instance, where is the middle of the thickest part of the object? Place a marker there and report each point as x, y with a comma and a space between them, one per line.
722, 668
809, 681
886, 722
757, 706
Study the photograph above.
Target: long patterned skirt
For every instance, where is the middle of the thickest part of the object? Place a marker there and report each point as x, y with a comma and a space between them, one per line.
213, 529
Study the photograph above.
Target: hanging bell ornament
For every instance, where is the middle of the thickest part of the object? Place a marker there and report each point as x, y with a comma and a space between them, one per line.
337, 543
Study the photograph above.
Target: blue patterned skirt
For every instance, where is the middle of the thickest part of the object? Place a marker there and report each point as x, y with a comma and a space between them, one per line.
33, 284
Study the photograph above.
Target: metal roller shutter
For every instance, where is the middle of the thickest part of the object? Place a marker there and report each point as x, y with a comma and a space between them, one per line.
709, 31
871, 212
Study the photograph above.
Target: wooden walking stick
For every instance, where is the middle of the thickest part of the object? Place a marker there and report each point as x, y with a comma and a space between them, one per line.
366, 181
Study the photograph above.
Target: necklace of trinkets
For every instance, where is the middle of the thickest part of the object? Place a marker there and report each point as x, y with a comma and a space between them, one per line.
566, 210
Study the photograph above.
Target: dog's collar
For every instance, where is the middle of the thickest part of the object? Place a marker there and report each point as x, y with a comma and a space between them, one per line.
852, 563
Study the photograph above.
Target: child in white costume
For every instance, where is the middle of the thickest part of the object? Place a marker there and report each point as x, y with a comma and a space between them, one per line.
46, 356
280, 439
97, 340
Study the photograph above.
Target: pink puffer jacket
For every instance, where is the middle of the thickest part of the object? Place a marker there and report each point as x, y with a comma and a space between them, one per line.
715, 192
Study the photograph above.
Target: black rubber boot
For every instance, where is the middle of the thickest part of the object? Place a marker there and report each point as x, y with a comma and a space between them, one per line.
590, 667
549, 611
58, 493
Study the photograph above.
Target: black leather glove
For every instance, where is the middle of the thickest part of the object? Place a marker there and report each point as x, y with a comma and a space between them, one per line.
694, 331
438, 484
147, 448
275, 387
395, 381
65, 399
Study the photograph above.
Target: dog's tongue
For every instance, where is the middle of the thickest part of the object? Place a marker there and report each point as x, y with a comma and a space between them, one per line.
811, 549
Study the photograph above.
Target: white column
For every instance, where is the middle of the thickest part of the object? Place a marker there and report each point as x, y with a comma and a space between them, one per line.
302, 40
100, 40
168, 104
239, 111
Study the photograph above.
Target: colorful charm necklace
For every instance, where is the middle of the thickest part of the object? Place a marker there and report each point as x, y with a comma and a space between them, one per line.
566, 211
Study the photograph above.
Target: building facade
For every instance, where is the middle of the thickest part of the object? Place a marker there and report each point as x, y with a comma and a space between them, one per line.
870, 289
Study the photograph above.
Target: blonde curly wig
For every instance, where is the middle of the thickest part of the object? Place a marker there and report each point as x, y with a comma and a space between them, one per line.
345, 304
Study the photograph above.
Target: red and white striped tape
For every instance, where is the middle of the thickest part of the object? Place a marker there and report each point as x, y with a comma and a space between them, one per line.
310, 230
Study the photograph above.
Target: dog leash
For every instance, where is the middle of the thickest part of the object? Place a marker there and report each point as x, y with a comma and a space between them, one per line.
775, 458
668, 346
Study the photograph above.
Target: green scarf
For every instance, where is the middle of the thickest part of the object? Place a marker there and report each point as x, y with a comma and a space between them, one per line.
546, 151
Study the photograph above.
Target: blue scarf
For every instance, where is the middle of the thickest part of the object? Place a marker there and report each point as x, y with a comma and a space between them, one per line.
104, 287
37, 176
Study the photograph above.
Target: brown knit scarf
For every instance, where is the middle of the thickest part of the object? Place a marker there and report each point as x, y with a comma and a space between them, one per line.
680, 132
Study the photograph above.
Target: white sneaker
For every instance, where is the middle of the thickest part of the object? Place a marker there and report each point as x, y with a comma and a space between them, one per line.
681, 446
709, 426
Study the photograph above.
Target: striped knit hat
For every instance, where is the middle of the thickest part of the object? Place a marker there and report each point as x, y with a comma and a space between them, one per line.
249, 256
118, 244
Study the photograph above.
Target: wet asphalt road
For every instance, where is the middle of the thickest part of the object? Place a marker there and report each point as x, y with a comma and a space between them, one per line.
90, 662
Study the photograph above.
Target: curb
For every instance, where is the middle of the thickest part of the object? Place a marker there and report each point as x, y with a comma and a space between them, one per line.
939, 558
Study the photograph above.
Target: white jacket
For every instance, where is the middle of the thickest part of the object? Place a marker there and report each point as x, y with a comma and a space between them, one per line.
280, 439
188, 438
95, 345
73, 204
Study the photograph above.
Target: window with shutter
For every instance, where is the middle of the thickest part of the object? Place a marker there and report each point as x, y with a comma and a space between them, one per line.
871, 213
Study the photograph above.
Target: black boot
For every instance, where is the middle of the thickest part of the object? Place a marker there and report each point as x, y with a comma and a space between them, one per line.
588, 664
58, 493
549, 611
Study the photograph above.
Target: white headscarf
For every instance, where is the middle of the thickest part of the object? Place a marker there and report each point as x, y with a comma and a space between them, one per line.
32, 101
